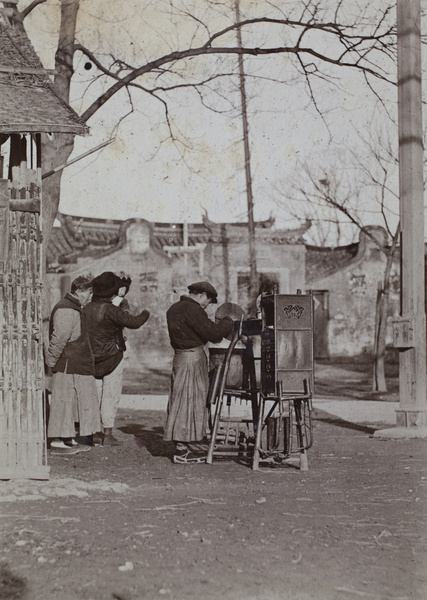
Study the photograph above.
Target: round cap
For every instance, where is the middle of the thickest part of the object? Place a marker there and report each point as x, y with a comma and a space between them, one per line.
107, 284
204, 286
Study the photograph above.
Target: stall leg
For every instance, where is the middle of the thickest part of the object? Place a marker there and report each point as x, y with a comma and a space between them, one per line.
255, 460
303, 460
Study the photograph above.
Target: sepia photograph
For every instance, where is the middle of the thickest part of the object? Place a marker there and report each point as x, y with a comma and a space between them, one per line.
212, 300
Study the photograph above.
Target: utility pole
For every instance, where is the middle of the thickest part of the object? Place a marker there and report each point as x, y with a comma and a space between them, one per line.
410, 329
253, 277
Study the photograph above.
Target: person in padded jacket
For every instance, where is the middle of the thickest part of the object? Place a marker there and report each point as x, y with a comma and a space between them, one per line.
69, 355
106, 317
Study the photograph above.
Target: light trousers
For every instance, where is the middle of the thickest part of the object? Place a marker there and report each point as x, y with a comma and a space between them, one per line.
73, 400
109, 394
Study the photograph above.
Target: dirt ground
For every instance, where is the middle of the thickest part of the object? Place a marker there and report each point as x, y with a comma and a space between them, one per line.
125, 523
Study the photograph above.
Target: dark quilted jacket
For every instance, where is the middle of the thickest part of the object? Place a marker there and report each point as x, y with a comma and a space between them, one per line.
189, 326
105, 323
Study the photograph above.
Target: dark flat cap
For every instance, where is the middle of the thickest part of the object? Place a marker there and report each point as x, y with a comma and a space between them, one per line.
204, 286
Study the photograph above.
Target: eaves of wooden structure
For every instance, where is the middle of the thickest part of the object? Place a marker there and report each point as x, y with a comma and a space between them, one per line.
28, 108
29, 103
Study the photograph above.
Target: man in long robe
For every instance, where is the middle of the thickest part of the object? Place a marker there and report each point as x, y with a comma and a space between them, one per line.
189, 330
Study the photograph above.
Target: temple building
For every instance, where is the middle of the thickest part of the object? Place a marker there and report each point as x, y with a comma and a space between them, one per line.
163, 258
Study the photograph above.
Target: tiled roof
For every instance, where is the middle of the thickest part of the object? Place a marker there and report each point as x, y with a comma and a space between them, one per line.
80, 236
76, 237
28, 102
321, 262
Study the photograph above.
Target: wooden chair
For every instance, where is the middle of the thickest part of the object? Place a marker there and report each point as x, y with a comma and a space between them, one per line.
233, 381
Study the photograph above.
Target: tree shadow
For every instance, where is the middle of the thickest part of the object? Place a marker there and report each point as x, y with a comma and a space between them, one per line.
150, 438
11, 585
148, 381
325, 417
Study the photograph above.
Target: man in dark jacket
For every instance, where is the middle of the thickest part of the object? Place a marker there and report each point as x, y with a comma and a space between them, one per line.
189, 330
74, 394
105, 323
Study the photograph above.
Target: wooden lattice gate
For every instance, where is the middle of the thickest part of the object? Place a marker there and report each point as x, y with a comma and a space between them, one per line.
22, 430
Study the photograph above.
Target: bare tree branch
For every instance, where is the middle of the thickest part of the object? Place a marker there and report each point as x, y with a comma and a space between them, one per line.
352, 42
26, 11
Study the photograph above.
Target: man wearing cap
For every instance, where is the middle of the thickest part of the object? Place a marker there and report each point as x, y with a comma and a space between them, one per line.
106, 316
189, 330
69, 355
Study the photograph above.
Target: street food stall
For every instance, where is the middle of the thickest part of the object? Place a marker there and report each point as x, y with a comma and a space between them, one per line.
268, 367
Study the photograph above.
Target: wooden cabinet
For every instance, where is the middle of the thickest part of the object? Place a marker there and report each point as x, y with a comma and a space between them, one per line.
286, 343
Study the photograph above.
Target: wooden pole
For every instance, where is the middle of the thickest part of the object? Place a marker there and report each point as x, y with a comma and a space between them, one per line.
411, 330
253, 279
74, 160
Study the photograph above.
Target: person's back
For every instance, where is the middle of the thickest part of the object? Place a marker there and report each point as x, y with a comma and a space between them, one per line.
189, 326
189, 330
104, 327
105, 323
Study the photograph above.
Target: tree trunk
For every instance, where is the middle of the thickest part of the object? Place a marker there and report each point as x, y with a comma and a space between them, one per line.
65, 51
57, 148
379, 378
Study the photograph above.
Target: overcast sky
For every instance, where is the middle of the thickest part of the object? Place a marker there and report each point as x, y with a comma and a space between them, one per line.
142, 174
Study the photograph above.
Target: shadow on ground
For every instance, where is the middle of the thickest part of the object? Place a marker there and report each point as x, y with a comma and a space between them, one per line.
147, 381
150, 438
352, 380
341, 378
321, 416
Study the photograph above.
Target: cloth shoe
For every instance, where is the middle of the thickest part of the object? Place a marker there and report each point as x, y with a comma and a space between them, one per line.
60, 444
69, 441
59, 447
109, 439
84, 440
98, 439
